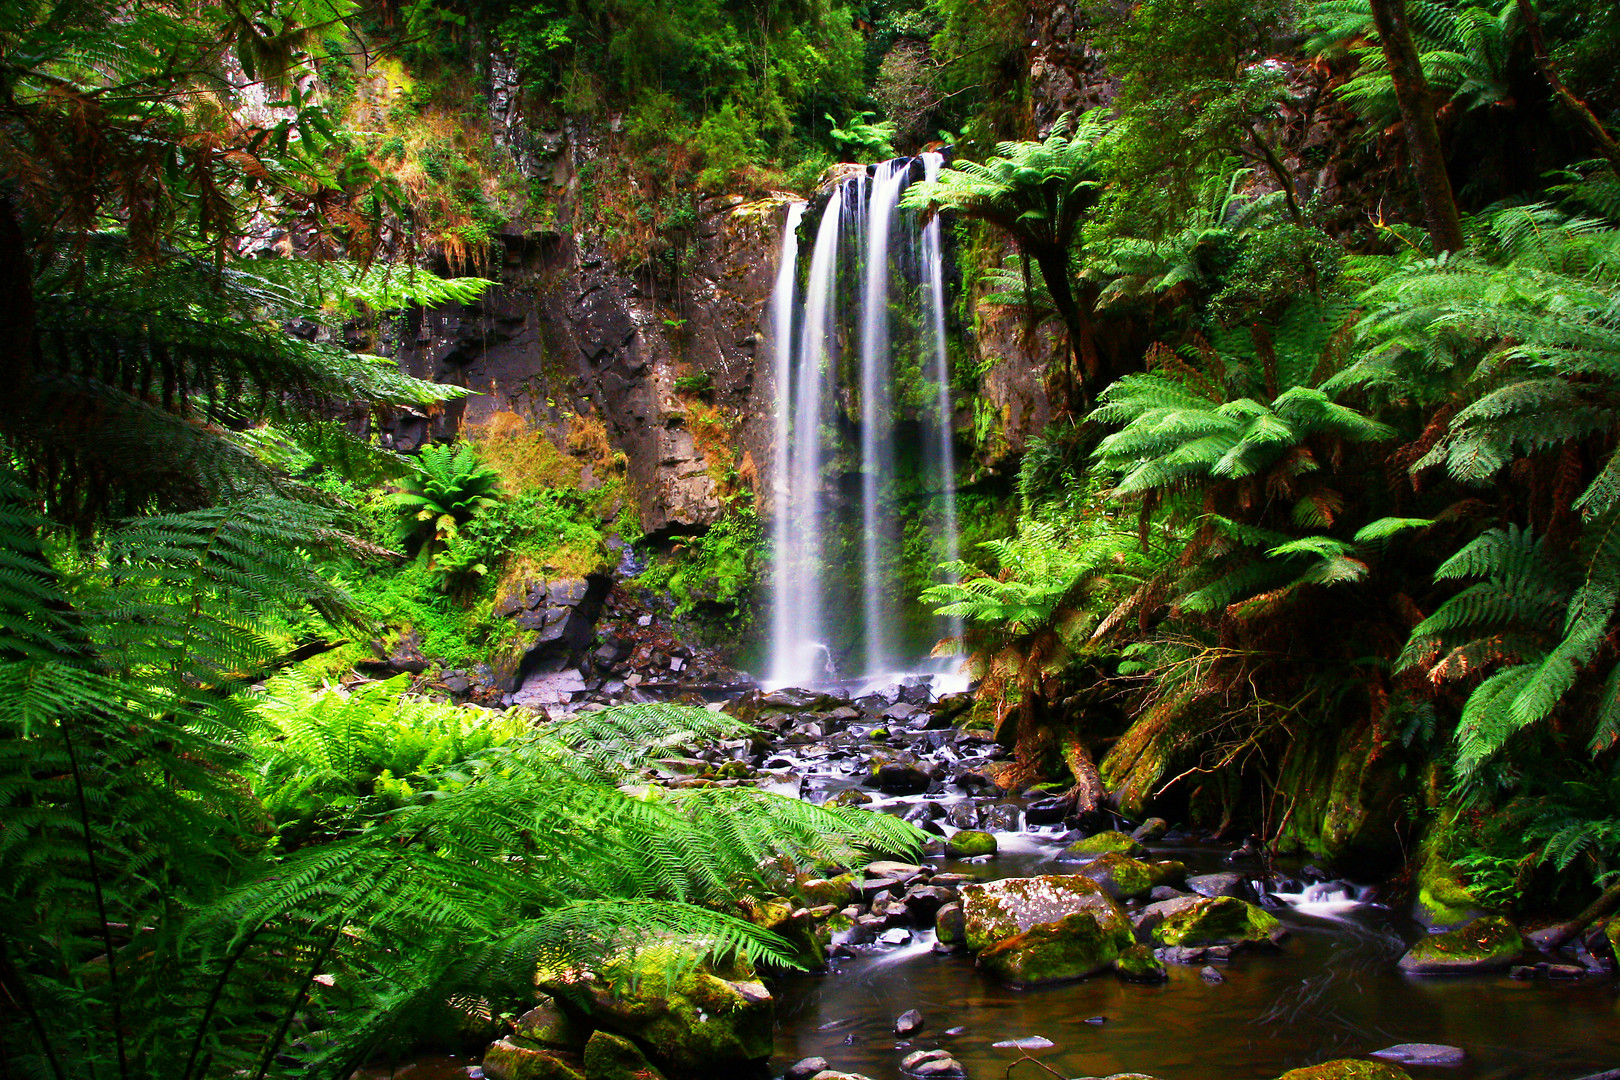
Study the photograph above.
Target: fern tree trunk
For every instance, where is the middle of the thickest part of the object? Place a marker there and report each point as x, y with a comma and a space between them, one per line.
16, 300
1076, 318
1583, 115
1417, 120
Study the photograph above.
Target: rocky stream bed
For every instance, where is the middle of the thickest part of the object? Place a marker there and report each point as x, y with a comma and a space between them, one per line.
1022, 943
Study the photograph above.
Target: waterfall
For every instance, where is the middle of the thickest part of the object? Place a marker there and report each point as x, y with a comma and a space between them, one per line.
856, 423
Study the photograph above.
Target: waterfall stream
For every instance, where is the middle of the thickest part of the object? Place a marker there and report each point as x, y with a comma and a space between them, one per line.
864, 456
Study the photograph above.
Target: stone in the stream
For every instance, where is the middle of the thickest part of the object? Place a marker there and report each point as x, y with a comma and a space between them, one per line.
509, 1059
923, 901
1221, 920
805, 1068
962, 815
709, 1020
548, 1026
1225, 884
834, 1074
945, 1068
1125, 878
1046, 811
839, 890
1347, 1069
850, 797
1000, 909
899, 774
999, 818
1102, 844
950, 929
888, 868
1073, 947
797, 700
875, 887
1138, 964
898, 936
1486, 944
1422, 1054
970, 844
1210, 975
908, 1023
1150, 830
613, 1057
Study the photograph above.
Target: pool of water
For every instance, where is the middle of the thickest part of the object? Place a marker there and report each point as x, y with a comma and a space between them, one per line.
1332, 991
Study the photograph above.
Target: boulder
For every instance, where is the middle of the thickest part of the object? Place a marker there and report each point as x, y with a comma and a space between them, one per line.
969, 844
1490, 943
1125, 878
838, 891
1002, 909
1226, 884
899, 774
950, 928
1074, 947
1102, 844
908, 1023
1138, 964
510, 1059
704, 1021
1220, 920
1150, 830
805, 1068
613, 1057
1443, 901
1347, 1069
548, 1026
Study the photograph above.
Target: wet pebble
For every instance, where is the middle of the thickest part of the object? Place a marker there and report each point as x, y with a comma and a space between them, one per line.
805, 1068
1422, 1054
908, 1023
1028, 1042
1210, 975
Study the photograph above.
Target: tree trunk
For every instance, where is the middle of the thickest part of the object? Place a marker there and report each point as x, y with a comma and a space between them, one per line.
1082, 344
1088, 791
16, 303
1583, 115
1556, 937
1417, 120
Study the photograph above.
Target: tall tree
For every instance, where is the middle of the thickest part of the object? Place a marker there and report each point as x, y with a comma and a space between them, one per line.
1417, 120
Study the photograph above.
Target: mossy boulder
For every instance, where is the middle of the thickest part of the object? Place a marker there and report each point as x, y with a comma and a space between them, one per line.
1347, 1069
1138, 964
970, 844
999, 910
1123, 877
1104, 843
1073, 947
1219, 920
950, 928
1443, 902
1490, 943
795, 925
696, 1019
836, 891
547, 1025
510, 1059
613, 1057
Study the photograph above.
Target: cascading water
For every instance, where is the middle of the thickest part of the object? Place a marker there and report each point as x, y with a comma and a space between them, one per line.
863, 429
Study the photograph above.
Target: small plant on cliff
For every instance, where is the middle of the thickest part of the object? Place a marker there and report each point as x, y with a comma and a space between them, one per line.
446, 487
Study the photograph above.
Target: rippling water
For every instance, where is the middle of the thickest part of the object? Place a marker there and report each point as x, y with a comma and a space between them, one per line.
1332, 992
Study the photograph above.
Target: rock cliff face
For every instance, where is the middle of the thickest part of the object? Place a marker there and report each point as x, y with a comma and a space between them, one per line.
667, 363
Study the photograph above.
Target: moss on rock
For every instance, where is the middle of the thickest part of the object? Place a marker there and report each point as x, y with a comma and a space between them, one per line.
1104, 843
969, 844
1074, 947
702, 1021
613, 1057
509, 1059
1443, 902
1490, 943
1138, 964
1001, 909
1219, 920
949, 926
837, 891
1347, 1069
1123, 877
548, 1026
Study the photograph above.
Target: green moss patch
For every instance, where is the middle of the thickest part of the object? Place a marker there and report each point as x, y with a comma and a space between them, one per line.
1490, 943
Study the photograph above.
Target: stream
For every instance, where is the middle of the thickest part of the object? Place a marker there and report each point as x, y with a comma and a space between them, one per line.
1332, 991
